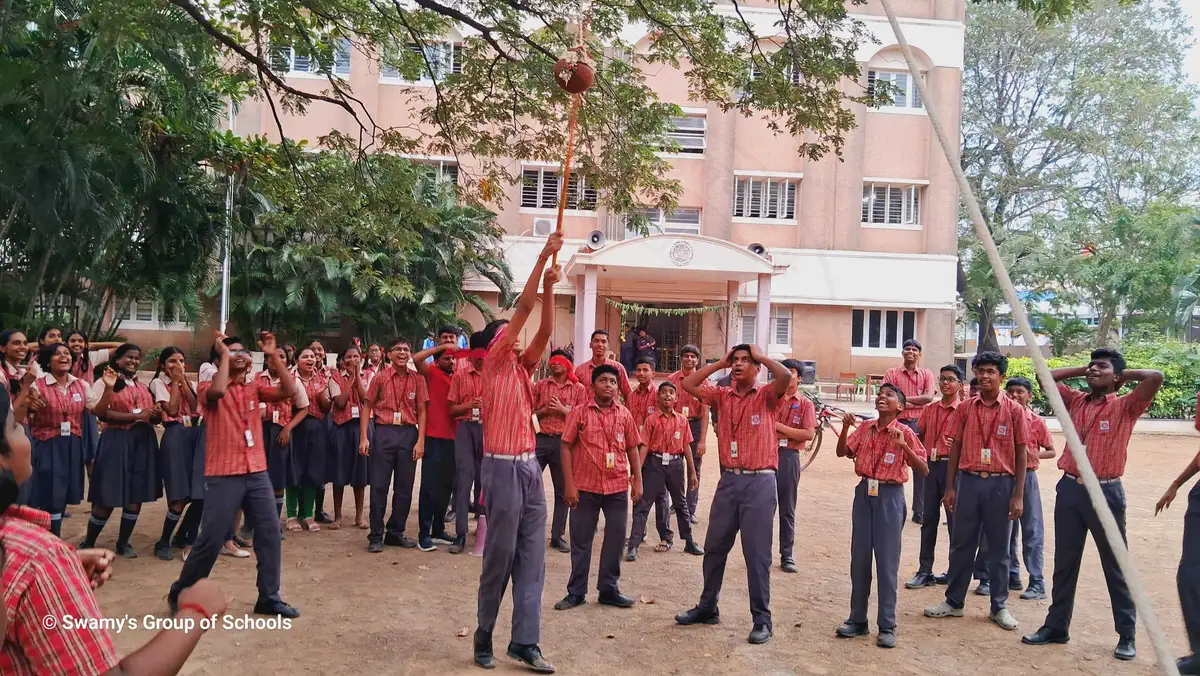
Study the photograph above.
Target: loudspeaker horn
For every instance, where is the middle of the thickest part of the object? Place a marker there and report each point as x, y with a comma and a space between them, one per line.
597, 239
758, 249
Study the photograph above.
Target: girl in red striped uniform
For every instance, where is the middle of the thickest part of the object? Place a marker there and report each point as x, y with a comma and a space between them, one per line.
176, 402
280, 418
81, 368
346, 466
15, 349
306, 471
56, 422
124, 474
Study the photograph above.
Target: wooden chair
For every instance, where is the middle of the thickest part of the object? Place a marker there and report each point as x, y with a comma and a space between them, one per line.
874, 380
846, 381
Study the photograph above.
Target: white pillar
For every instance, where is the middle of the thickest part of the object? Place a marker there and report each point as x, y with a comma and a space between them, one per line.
733, 332
585, 312
762, 319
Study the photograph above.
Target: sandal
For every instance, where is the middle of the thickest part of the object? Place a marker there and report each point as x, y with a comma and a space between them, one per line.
664, 546
310, 525
337, 523
294, 525
362, 525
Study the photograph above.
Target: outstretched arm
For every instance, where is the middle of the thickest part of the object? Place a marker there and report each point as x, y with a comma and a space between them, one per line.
528, 296
533, 352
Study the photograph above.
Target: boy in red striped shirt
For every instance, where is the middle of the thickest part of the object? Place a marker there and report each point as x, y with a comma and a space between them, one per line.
932, 426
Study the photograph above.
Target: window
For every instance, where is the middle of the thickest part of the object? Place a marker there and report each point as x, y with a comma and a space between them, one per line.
688, 134
284, 59
443, 58
539, 190
681, 222
147, 314
881, 332
439, 170
904, 91
891, 204
771, 198
789, 72
780, 328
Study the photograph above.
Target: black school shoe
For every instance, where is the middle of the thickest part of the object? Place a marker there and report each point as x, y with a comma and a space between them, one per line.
560, 545
483, 650
690, 547
1189, 665
269, 607
323, 517
615, 599
852, 630
698, 615
404, 541
886, 638
921, 580
530, 656
163, 550
1126, 649
759, 635
375, 546
1046, 636
570, 601
631, 553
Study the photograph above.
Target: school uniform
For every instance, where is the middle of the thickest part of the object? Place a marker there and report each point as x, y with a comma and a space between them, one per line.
395, 397
746, 495
933, 426
466, 386
310, 439
691, 408
346, 466
275, 416
58, 450
235, 471
599, 439
1105, 425
438, 466
642, 402
548, 446
878, 517
177, 447
665, 471
1032, 525
91, 430
1187, 579
516, 499
125, 471
989, 435
912, 383
584, 373
797, 412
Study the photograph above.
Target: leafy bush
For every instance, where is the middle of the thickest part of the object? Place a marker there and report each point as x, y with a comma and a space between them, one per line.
1179, 362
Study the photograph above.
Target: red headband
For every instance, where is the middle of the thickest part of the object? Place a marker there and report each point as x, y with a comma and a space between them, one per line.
565, 363
477, 353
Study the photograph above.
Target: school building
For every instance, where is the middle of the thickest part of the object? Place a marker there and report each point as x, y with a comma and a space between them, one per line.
837, 261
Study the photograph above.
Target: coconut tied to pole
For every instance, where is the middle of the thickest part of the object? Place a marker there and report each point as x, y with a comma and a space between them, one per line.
574, 72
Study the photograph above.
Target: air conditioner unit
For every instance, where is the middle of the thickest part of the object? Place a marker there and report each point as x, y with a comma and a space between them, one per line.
542, 227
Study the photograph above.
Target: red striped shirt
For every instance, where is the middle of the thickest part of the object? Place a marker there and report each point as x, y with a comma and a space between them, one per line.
466, 386
748, 420
1104, 425
438, 424
666, 433
160, 389
797, 412
876, 456
1039, 438
227, 451
84, 374
598, 461
999, 426
133, 396
584, 373
395, 391
641, 402
570, 394
354, 402
43, 578
314, 386
62, 405
508, 399
933, 425
913, 384
685, 403
279, 412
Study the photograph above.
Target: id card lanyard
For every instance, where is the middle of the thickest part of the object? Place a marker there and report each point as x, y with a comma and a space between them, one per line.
988, 431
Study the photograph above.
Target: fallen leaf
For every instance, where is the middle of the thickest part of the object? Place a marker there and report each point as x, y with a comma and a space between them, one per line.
464, 631
798, 624
610, 636
646, 599
422, 567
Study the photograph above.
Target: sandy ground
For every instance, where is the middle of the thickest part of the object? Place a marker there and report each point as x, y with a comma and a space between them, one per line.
405, 612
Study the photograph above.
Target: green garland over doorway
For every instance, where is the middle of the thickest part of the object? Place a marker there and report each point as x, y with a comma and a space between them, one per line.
641, 310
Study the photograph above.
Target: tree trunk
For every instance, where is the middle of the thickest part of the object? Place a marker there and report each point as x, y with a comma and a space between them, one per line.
1108, 313
35, 291
986, 340
11, 218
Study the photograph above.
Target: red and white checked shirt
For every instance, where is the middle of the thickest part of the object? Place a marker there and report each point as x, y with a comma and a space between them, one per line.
913, 384
685, 403
641, 402
43, 578
1104, 425
584, 373
933, 425
603, 434
1039, 438
227, 451
797, 412
62, 405
354, 402
999, 426
314, 386
133, 396
160, 389
393, 391
746, 419
877, 457
465, 386
508, 399
570, 394
666, 433
78, 370
279, 412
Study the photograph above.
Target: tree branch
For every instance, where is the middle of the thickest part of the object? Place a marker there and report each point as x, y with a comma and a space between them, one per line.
484, 31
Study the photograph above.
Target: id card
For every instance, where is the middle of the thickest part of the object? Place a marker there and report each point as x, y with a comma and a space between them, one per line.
64, 429
610, 460
275, 417
397, 418
678, 434
666, 459
985, 456
733, 449
686, 410
75, 397
187, 421
873, 487
475, 414
353, 411
249, 439
889, 458
137, 411
783, 442
933, 454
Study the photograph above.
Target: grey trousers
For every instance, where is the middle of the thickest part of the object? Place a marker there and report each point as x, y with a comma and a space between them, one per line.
584, 519
516, 514
223, 497
392, 467
918, 481
693, 497
1073, 519
787, 482
877, 524
935, 489
660, 479
1188, 577
746, 503
549, 454
468, 458
1033, 534
981, 507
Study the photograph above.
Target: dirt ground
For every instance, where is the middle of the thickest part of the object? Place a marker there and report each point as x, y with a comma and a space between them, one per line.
408, 612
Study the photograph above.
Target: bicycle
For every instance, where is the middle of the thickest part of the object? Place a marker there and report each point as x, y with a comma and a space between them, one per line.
826, 415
